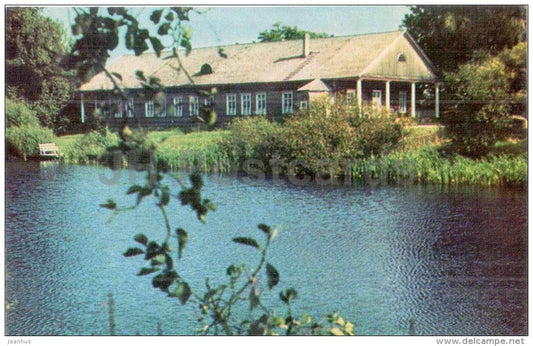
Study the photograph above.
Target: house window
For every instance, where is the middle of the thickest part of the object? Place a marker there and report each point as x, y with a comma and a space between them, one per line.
246, 104
178, 106
117, 109
401, 57
350, 96
403, 102
260, 103
193, 105
149, 109
231, 104
287, 104
303, 105
376, 98
130, 107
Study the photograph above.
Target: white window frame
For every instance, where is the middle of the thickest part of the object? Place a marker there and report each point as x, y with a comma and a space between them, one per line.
287, 102
149, 109
178, 106
246, 104
350, 96
130, 107
118, 111
402, 101
194, 106
261, 103
231, 104
304, 105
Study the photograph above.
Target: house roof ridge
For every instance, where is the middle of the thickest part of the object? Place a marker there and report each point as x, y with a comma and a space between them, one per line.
238, 44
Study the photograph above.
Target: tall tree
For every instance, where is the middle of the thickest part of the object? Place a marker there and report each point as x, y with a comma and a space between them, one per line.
484, 94
453, 35
281, 32
34, 47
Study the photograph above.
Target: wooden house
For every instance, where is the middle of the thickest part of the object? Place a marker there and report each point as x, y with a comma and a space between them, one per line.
274, 78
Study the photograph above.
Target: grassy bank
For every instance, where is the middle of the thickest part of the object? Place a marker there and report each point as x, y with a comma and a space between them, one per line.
416, 159
195, 150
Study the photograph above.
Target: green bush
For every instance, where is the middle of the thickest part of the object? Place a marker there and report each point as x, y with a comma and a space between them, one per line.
252, 138
89, 148
328, 133
23, 130
24, 141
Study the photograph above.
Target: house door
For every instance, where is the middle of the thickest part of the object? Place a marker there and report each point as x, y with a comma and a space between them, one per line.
403, 102
376, 98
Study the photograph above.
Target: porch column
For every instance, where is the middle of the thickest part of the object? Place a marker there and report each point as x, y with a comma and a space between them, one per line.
387, 95
359, 93
413, 99
437, 100
82, 110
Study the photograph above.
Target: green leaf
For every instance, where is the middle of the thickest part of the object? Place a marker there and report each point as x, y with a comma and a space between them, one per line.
158, 260
182, 12
110, 204
164, 280
133, 189
348, 328
186, 43
157, 45
182, 292
254, 298
165, 195
272, 275
183, 237
288, 295
146, 271
264, 228
222, 54
233, 271
169, 263
246, 241
277, 321
118, 75
134, 251
152, 249
163, 29
170, 17
141, 238
140, 75
259, 327
336, 331
155, 17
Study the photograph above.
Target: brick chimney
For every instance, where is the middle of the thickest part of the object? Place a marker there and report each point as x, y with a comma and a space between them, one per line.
306, 46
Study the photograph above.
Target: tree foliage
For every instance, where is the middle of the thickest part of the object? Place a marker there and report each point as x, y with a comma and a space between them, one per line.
485, 94
97, 32
35, 45
481, 54
281, 32
453, 35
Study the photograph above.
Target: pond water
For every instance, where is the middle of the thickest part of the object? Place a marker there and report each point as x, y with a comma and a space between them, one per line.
454, 260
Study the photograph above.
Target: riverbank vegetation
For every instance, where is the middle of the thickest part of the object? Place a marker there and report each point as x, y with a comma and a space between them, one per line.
373, 149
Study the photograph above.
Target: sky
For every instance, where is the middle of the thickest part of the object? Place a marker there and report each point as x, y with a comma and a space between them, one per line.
224, 25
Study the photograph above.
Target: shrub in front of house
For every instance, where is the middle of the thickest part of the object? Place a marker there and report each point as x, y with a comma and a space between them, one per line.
331, 133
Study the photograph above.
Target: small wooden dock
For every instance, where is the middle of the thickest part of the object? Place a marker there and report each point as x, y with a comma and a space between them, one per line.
49, 151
